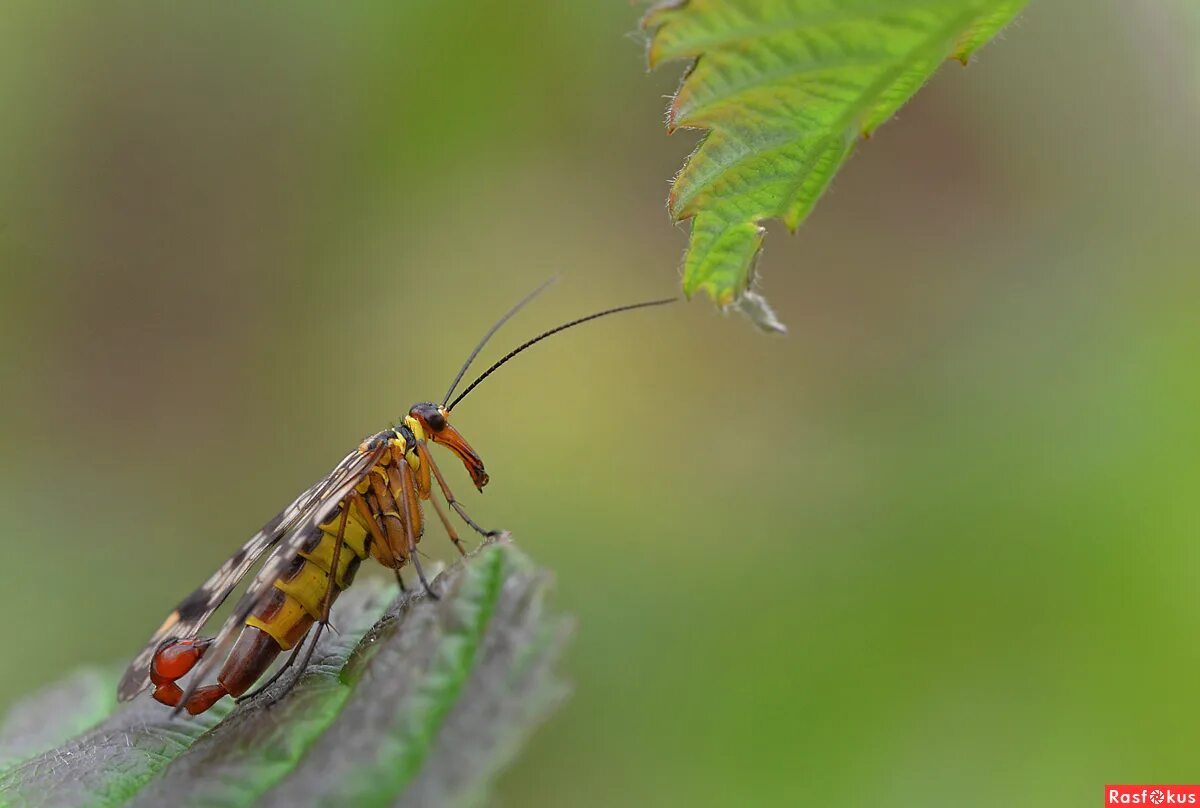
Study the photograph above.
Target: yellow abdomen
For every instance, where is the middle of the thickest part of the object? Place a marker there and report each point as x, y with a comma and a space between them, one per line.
299, 595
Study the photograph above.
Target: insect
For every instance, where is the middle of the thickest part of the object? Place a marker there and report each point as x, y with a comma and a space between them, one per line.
369, 506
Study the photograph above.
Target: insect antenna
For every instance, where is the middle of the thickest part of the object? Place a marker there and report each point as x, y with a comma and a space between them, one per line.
551, 332
492, 330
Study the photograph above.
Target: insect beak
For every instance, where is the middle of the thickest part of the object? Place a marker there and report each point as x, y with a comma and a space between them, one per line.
452, 440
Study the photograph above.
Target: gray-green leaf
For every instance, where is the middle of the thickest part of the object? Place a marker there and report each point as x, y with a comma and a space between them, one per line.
420, 702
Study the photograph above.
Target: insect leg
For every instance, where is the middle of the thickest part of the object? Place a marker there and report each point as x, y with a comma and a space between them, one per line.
333, 567
379, 541
450, 500
407, 486
377, 536
450, 531
437, 506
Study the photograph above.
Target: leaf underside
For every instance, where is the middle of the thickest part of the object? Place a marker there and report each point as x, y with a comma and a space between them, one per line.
416, 703
785, 90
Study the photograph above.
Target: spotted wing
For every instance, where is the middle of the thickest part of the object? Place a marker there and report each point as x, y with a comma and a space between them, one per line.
344, 479
193, 611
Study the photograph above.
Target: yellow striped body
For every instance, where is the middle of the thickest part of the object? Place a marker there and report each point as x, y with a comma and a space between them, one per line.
299, 594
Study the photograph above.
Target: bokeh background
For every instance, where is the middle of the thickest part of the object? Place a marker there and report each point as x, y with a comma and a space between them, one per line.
938, 546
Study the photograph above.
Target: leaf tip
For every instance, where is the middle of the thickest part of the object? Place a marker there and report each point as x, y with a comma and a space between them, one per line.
673, 115
651, 23
673, 210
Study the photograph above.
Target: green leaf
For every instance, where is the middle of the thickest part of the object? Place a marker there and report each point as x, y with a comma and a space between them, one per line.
420, 702
55, 714
786, 88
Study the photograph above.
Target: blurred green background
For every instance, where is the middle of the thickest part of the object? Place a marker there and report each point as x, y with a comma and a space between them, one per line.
938, 546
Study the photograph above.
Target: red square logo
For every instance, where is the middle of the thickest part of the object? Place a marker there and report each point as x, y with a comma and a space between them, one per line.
1151, 795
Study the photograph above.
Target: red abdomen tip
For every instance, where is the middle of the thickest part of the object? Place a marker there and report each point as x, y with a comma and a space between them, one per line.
176, 658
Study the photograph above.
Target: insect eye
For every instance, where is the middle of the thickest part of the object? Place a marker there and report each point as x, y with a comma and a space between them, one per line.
436, 421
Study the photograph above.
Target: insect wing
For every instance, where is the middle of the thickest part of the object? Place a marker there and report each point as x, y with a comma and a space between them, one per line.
348, 474
186, 620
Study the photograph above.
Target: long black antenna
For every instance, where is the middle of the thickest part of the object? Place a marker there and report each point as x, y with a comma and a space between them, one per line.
545, 334
491, 331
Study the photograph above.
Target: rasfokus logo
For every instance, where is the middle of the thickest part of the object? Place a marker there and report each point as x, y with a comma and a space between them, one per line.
1152, 795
